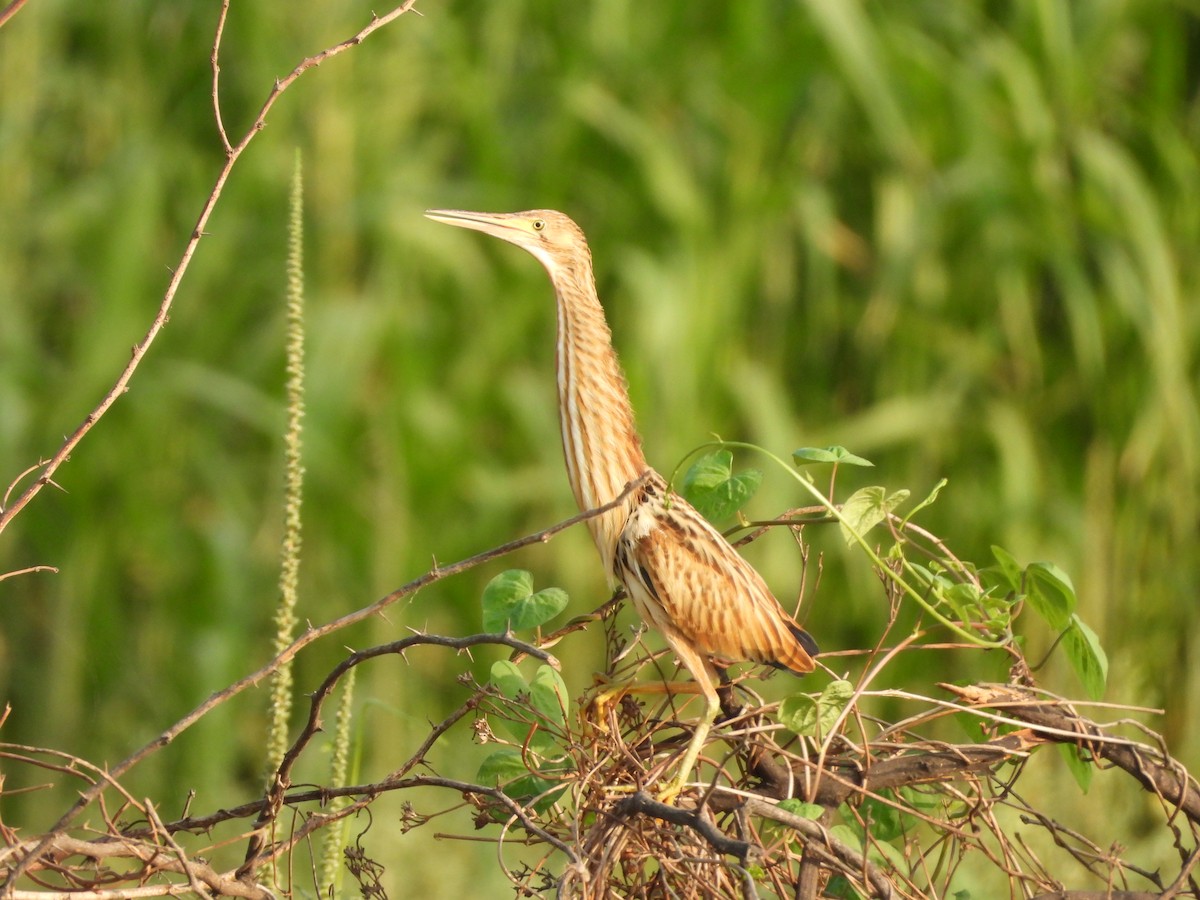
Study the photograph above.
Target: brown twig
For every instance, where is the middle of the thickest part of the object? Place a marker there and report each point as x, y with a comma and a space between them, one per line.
152, 857
1055, 721
27, 571
825, 845
11, 10
282, 778
142, 347
367, 794
641, 803
89, 795
215, 63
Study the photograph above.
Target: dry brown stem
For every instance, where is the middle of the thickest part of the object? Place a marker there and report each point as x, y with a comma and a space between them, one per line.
233, 153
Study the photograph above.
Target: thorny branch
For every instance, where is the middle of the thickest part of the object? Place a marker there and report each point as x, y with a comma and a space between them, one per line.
232, 155
282, 778
607, 757
88, 796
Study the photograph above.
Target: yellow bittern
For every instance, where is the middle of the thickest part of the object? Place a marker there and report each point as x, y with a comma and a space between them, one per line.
681, 574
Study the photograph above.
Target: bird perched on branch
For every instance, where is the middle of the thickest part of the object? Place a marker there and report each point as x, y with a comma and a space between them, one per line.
681, 574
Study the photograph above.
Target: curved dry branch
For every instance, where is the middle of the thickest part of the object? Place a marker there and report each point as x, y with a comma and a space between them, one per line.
9, 11
155, 859
282, 778
232, 155
826, 847
1055, 720
87, 797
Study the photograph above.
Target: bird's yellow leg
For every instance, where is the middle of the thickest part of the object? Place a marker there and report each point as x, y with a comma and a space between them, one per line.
699, 736
706, 679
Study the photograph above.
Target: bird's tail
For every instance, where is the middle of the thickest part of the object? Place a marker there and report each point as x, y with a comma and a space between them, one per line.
804, 639
799, 657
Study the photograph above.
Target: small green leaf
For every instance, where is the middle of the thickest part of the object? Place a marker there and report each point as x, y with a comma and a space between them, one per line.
548, 694
851, 835
839, 888
924, 801
835, 454
802, 809
775, 831
505, 768
1008, 568
798, 713
1050, 593
708, 471
885, 821
508, 680
964, 598
804, 715
1086, 656
1081, 768
714, 490
510, 604
865, 509
879, 852
928, 501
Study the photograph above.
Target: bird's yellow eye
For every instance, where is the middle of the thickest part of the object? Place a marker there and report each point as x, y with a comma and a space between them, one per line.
539, 225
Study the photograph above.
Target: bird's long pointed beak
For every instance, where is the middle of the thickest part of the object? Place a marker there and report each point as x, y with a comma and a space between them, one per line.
488, 223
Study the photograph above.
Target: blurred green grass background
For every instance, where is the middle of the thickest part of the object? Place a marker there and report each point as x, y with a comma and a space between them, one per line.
958, 238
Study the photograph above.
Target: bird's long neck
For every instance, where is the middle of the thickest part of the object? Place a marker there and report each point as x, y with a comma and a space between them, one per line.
600, 440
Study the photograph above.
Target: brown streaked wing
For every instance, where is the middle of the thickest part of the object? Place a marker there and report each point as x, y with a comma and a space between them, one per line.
712, 595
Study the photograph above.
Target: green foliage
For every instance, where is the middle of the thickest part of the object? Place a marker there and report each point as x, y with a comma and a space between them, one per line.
802, 809
510, 603
836, 455
1079, 763
1086, 656
866, 508
509, 768
1049, 592
289, 568
546, 695
710, 485
816, 717
535, 712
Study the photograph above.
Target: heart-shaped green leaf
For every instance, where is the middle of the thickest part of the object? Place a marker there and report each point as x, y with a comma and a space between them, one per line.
510, 604
711, 487
865, 509
508, 680
548, 694
505, 768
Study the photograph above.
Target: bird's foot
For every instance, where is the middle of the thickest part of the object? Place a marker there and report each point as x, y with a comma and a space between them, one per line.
670, 793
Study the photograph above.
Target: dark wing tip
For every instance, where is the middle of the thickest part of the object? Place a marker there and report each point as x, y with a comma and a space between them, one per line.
805, 640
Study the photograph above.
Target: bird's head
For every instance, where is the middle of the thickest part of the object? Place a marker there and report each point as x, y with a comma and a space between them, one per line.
552, 237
